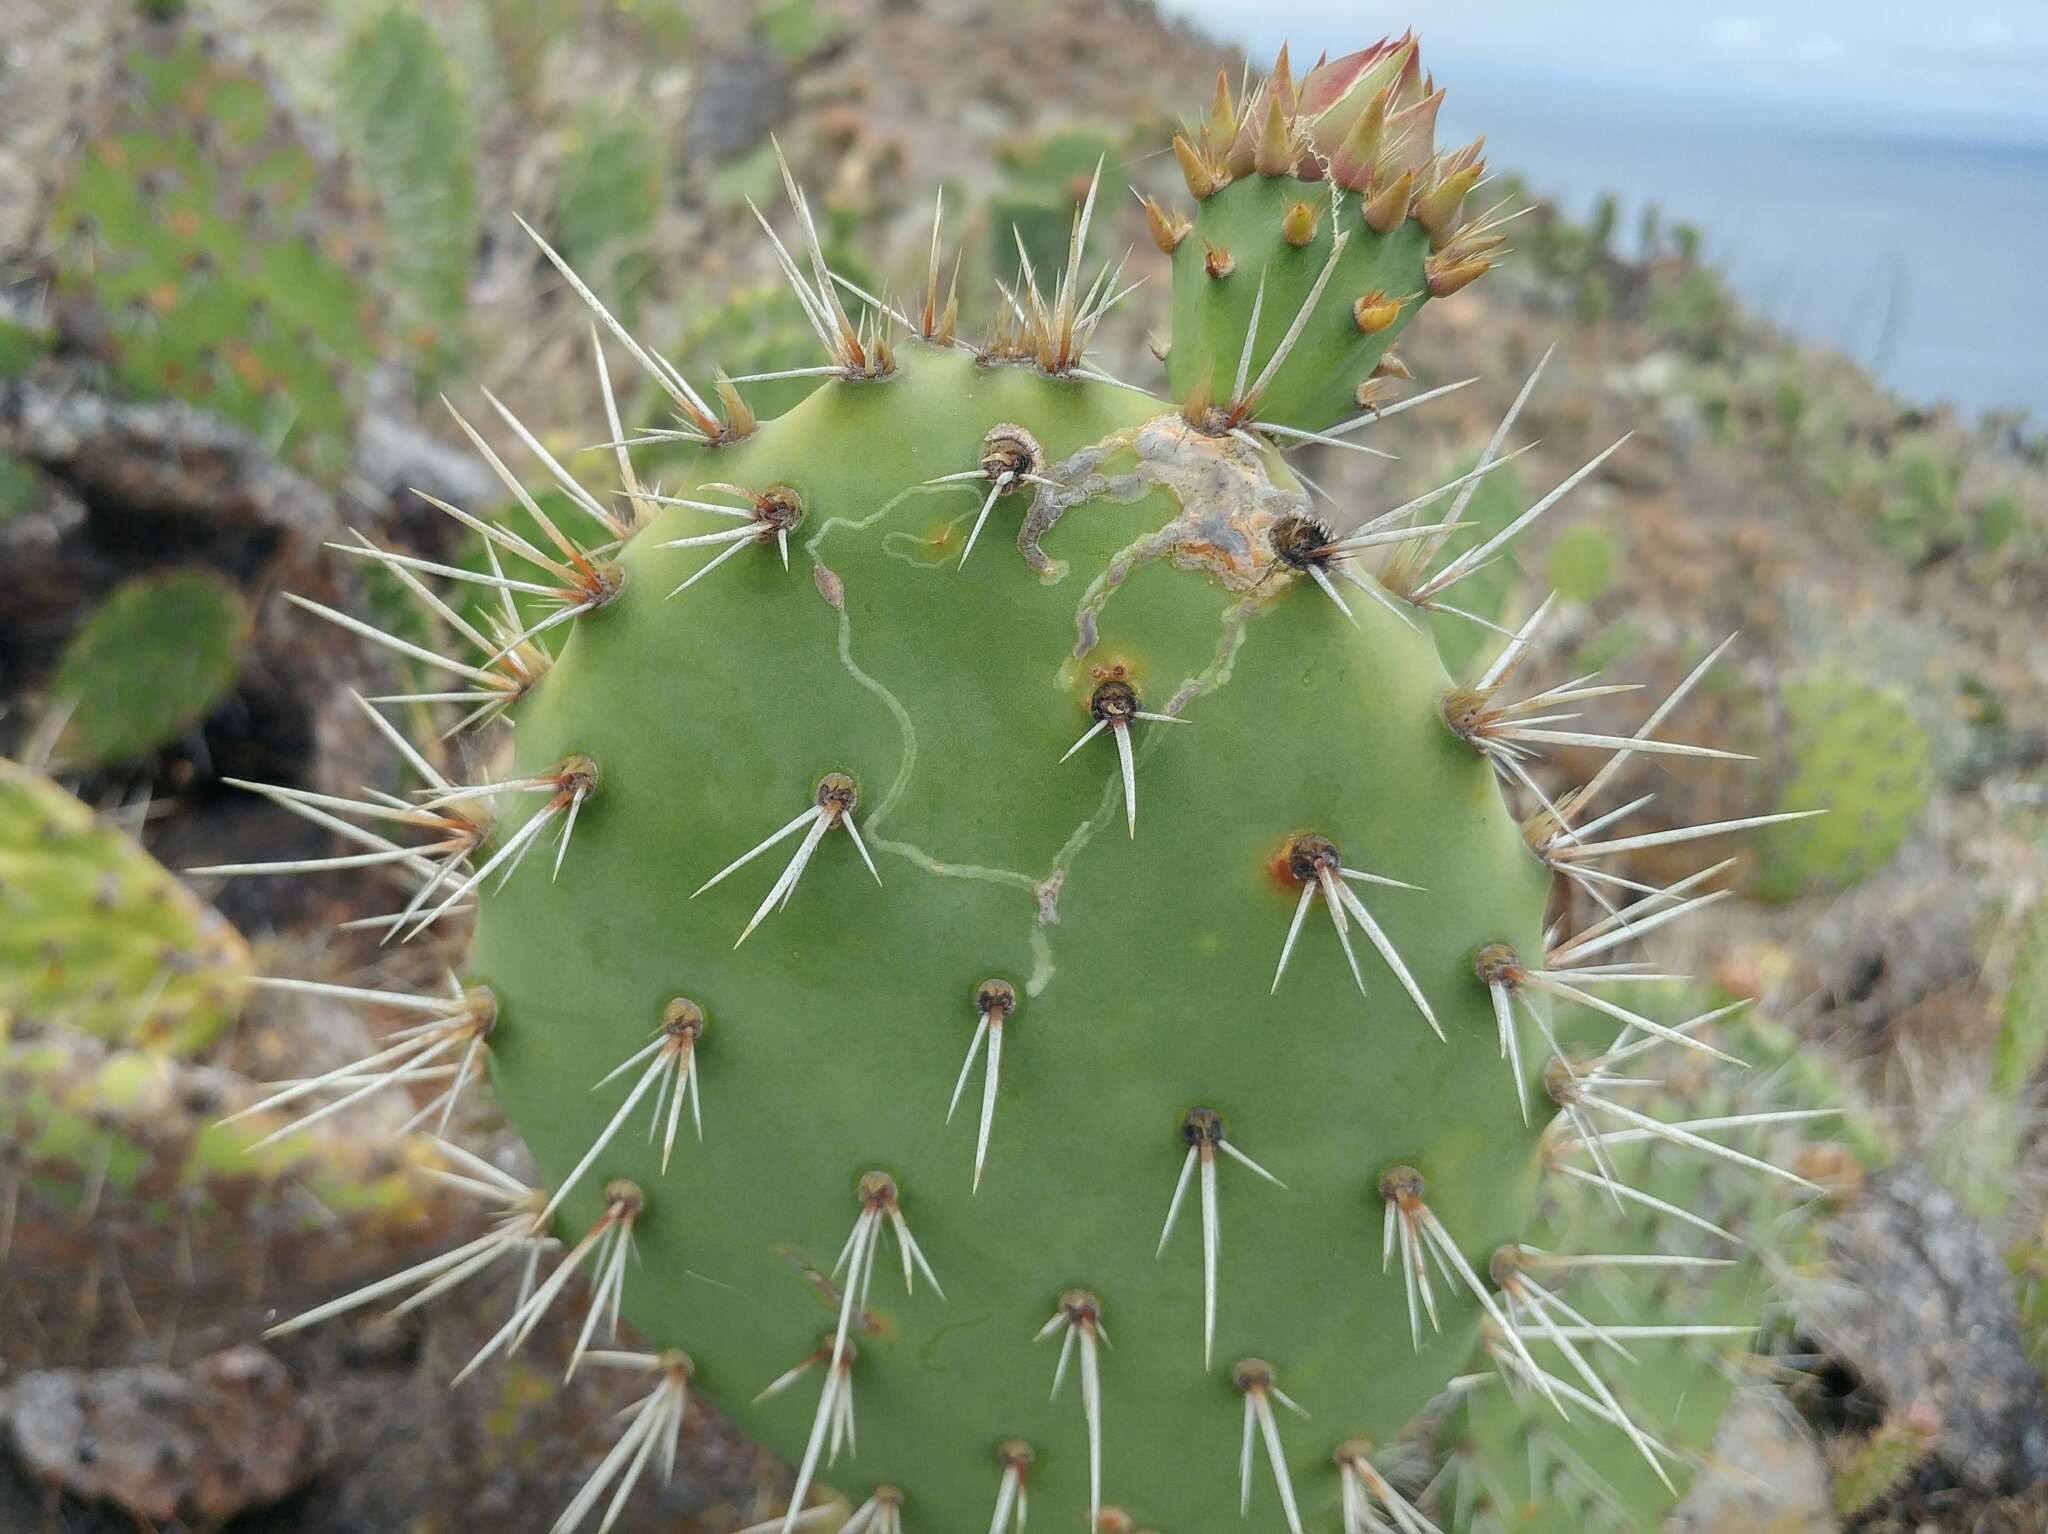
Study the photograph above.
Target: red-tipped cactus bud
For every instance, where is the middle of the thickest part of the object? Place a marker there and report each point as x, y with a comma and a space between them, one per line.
1445, 278
1168, 228
1336, 120
1202, 182
1337, 94
1410, 142
1352, 161
1438, 208
1388, 208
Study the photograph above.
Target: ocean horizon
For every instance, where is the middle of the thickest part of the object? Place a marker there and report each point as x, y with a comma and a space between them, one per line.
1915, 250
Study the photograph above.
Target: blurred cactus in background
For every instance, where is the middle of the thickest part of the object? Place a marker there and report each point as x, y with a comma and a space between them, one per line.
606, 204
97, 937
151, 661
1855, 750
407, 124
1032, 215
214, 252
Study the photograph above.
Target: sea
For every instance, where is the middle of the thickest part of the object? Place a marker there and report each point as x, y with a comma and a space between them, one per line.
1921, 253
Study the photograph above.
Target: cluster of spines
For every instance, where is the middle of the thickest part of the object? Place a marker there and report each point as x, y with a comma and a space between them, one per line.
449, 1043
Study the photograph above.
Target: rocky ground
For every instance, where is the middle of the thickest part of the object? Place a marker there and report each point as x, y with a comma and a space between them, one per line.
1766, 491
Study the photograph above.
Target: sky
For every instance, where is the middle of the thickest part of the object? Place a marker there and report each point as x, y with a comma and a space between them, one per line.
1972, 68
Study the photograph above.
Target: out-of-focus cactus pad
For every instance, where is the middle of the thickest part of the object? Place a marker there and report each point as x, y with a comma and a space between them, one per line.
1854, 749
214, 250
96, 936
407, 123
156, 657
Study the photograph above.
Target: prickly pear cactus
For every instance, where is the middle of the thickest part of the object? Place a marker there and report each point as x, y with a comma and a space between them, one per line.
95, 936
2023, 1025
19, 486
992, 822
1853, 748
20, 347
214, 249
1876, 1466
158, 655
609, 199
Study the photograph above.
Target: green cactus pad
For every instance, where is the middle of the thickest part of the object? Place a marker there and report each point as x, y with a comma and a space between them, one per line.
407, 124
118, 1123
606, 204
850, 1015
20, 485
96, 936
1877, 1465
20, 348
217, 248
1217, 271
797, 29
1056, 743
1348, 153
1923, 512
1581, 563
2023, 1026
122, 1186
1854, 749
1513, 1467
152, 660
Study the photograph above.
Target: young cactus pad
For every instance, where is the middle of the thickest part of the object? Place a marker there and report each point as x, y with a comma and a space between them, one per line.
1321, 204
966, 824
96, 936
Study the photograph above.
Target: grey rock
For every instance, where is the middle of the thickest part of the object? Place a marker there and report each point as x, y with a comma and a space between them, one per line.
202, 1443
741, 98
1924, 1311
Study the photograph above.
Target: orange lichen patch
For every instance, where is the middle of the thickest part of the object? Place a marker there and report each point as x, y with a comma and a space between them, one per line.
247, 367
